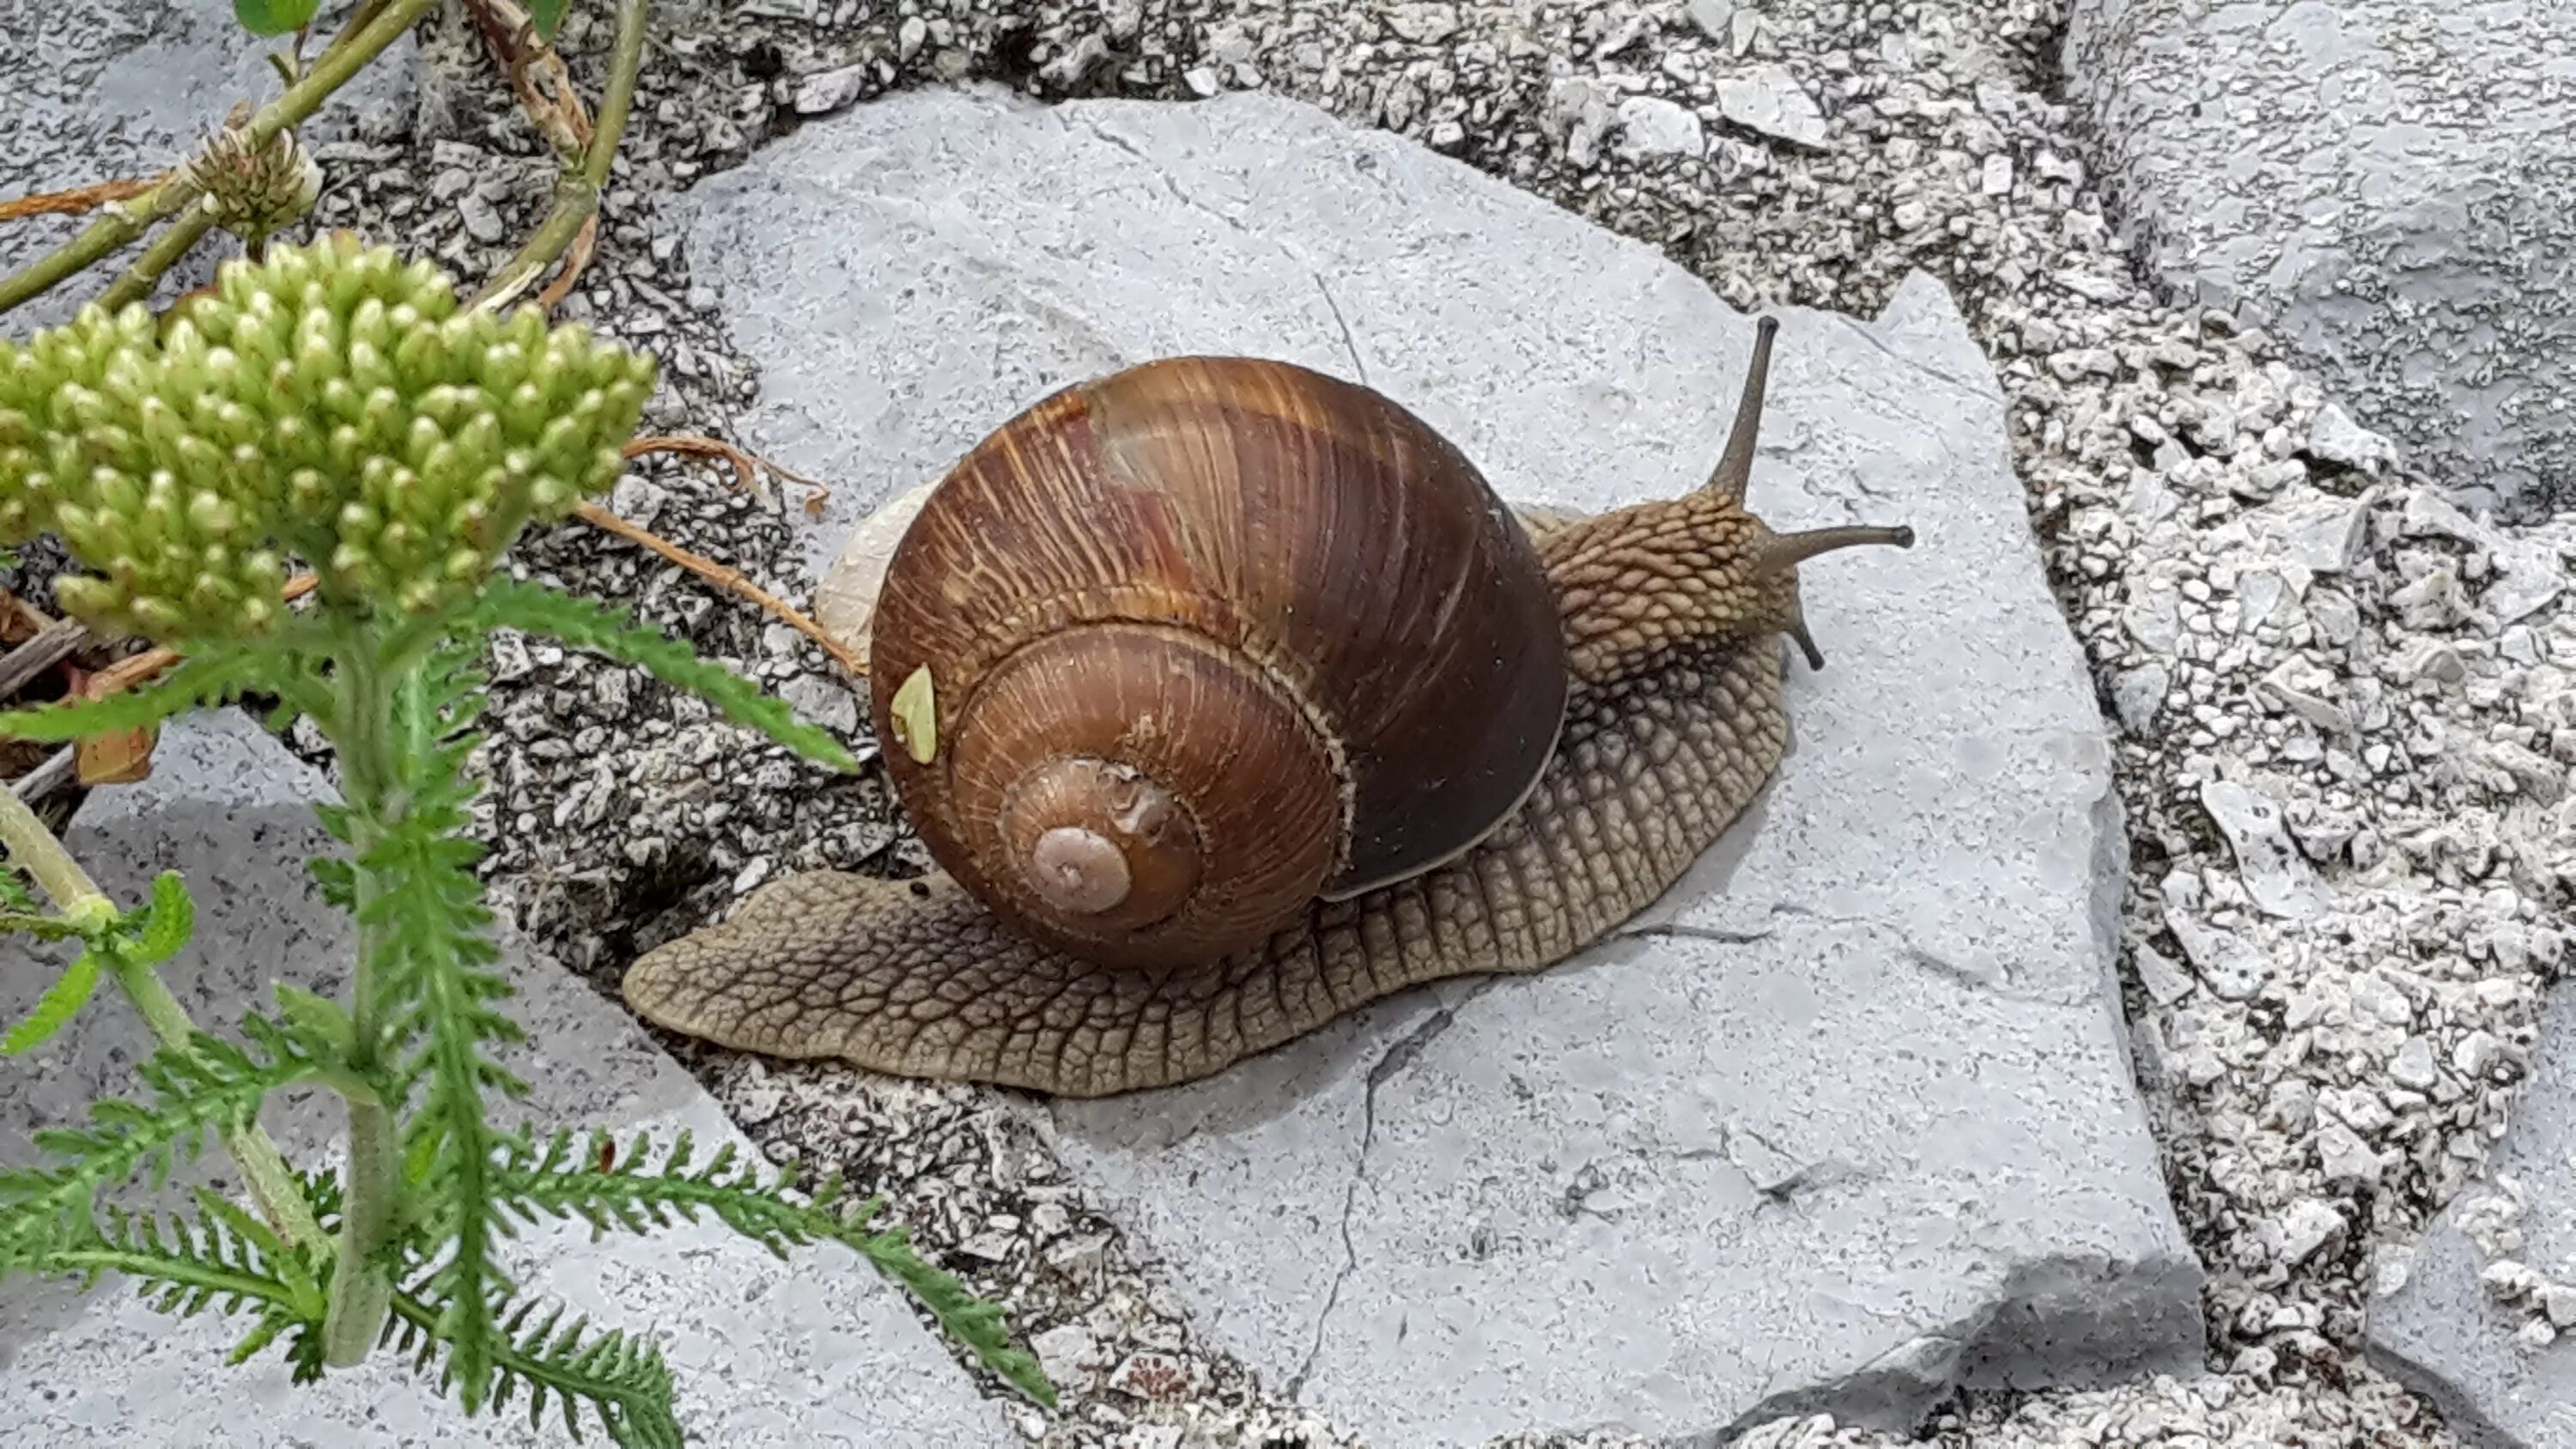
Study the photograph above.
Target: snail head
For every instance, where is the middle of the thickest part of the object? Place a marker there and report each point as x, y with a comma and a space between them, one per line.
1776, 556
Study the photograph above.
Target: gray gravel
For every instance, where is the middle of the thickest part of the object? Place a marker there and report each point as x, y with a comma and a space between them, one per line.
2349, 712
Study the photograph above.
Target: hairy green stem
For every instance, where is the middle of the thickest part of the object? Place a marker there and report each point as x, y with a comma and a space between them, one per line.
362, 738
136, 282
263, 1167
34, 848
577, 190
121, 222
362, 1287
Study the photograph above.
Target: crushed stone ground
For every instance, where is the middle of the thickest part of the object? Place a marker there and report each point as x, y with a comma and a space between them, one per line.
2333, 992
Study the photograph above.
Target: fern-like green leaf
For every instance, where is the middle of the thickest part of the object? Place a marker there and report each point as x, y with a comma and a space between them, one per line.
208, 1085
588, 1180
623, 1381
333, 877
317, 1018
61, 1002
223, 1258
217, 676
144, 937
638, 1192
972, 1321
506, 603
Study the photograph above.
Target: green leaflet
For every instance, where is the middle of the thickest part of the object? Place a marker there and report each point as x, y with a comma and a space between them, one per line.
594, 1183
211, 1084
274, 17
223, 1258
973, 1321
144, 937
215, 676
622, 1379
547, 14
165, 922
61, 1002
336, 881
317, 1018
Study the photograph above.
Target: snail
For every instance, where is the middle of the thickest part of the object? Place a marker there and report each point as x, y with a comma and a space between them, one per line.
1227, 697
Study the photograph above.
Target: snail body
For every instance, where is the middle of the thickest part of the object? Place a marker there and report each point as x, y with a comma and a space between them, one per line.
1228, 697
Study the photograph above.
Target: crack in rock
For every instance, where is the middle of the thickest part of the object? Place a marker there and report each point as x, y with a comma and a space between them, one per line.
1350, 343
1399, 1055
1932, 962
1171, 184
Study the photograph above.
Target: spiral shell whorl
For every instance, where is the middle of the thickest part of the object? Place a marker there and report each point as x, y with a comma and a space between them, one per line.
1174, 652
1136, 795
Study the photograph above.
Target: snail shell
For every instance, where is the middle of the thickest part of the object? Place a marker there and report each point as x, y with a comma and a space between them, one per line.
1176, 651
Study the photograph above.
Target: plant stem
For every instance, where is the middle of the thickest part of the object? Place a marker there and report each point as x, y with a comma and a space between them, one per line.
363, 740
34, 847
577, 190
136, 283
359, 20
122, 222
362, 1289
263, 1167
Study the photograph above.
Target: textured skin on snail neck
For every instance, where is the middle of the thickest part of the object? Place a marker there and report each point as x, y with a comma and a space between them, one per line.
1638, 582
1673, 726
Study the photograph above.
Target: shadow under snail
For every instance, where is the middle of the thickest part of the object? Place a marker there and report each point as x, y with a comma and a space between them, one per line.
1227, 698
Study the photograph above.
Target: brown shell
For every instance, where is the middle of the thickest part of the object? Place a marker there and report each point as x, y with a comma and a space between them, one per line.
1301, 610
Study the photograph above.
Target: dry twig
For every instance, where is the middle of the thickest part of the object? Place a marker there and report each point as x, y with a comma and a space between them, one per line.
746, 468
546, 92
747, 465
511, 35
731, 580
78, 201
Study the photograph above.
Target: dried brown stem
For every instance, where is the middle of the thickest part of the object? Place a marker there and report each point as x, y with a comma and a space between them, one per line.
572, 223
77, 201
585, 243
746, 469
511, 35
747, 465
733, 581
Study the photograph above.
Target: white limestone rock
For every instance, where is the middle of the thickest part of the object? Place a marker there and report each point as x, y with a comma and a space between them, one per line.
1847, 1120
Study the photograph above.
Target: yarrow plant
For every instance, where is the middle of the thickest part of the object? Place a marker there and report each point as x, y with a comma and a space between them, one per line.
327, 415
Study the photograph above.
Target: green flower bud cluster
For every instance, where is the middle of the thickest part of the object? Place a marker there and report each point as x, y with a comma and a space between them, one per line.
327, 404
